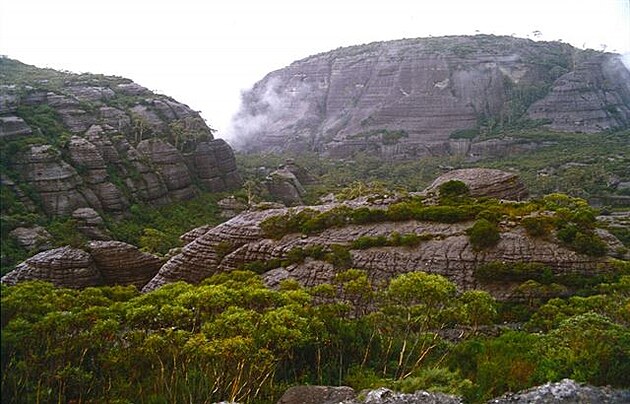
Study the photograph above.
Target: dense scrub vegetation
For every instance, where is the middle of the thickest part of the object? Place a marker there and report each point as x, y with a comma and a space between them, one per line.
231, 338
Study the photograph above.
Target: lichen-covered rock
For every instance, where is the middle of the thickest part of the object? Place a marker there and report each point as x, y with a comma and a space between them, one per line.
484, 182
123, 264
63, 267
387, 396
566, 391
409, 98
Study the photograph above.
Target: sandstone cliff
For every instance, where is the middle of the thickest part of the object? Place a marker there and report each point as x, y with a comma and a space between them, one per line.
429, 96
92, 141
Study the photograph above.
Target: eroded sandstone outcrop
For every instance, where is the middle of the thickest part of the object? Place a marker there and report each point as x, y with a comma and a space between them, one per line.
123, 264
446, 250
104, 263
63, 267
484, 182
99, 142
418, 97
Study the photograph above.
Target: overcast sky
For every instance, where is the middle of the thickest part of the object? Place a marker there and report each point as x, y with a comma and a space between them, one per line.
204, 53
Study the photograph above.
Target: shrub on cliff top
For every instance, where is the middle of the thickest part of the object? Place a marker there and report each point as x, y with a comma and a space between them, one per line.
483, 234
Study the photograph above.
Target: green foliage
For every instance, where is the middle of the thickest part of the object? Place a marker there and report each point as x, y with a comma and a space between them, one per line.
231, 338
538, 226
453, 188
339, 257
505, 363
394, 240
515, 271
435, 379
387, 137
464, 134
157, 229
587, 348
483, 234
156, 241
64, 232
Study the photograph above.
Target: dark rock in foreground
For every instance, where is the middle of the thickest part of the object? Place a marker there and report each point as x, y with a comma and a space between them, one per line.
566, 392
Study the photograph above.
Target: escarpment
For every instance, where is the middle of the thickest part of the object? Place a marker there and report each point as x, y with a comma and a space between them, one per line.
433, 96
91, 141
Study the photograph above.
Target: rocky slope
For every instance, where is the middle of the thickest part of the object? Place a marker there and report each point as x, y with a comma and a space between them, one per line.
91, 141
430, 96
443, 247
446, 249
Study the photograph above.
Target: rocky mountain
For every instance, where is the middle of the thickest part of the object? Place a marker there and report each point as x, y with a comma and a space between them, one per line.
72, 141
433, 96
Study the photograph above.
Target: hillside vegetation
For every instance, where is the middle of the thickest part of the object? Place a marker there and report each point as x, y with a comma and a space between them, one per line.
232, 338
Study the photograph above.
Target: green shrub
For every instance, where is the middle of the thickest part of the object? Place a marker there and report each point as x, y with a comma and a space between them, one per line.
538, 226
453, 188
339, 257
515, 271
483, 234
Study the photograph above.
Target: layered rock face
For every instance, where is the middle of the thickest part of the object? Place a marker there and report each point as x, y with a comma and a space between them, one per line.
87, 141
446, 251
105, 263
407, 98
484, 182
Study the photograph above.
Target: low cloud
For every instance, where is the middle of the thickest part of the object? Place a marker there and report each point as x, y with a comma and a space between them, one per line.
265, 108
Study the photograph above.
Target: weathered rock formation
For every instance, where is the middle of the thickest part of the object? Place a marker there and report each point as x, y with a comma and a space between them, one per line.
447, 250
99, 142
63, 267
284, 186
484, 182
123, 264
105, 263
91, 224
566, 391
317, 395
417, 97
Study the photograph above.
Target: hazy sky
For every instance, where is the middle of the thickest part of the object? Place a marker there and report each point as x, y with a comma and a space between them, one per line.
204, 53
